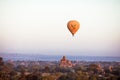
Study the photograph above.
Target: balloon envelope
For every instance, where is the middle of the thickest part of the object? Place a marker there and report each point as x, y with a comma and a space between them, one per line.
73, 26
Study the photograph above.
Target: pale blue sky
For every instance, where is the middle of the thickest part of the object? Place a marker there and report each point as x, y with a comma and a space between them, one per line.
40, 26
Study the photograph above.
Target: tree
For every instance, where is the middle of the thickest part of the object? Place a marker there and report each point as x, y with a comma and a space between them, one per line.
47, 69
49, 77
93, 78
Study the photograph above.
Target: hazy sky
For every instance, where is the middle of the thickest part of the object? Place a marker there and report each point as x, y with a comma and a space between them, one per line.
40, 26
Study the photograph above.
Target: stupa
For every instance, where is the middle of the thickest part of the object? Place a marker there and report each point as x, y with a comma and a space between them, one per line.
64, 62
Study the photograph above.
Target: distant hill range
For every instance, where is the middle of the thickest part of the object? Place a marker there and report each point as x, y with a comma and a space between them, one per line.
41, 57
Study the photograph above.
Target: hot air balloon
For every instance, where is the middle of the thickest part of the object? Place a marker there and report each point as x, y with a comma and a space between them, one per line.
73, 26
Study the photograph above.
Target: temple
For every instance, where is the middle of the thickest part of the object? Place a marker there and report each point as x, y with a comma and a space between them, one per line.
65, 63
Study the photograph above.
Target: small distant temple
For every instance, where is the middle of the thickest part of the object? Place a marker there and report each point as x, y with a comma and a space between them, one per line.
65, 63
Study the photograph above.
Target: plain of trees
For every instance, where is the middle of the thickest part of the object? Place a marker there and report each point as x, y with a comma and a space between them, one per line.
32, 70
